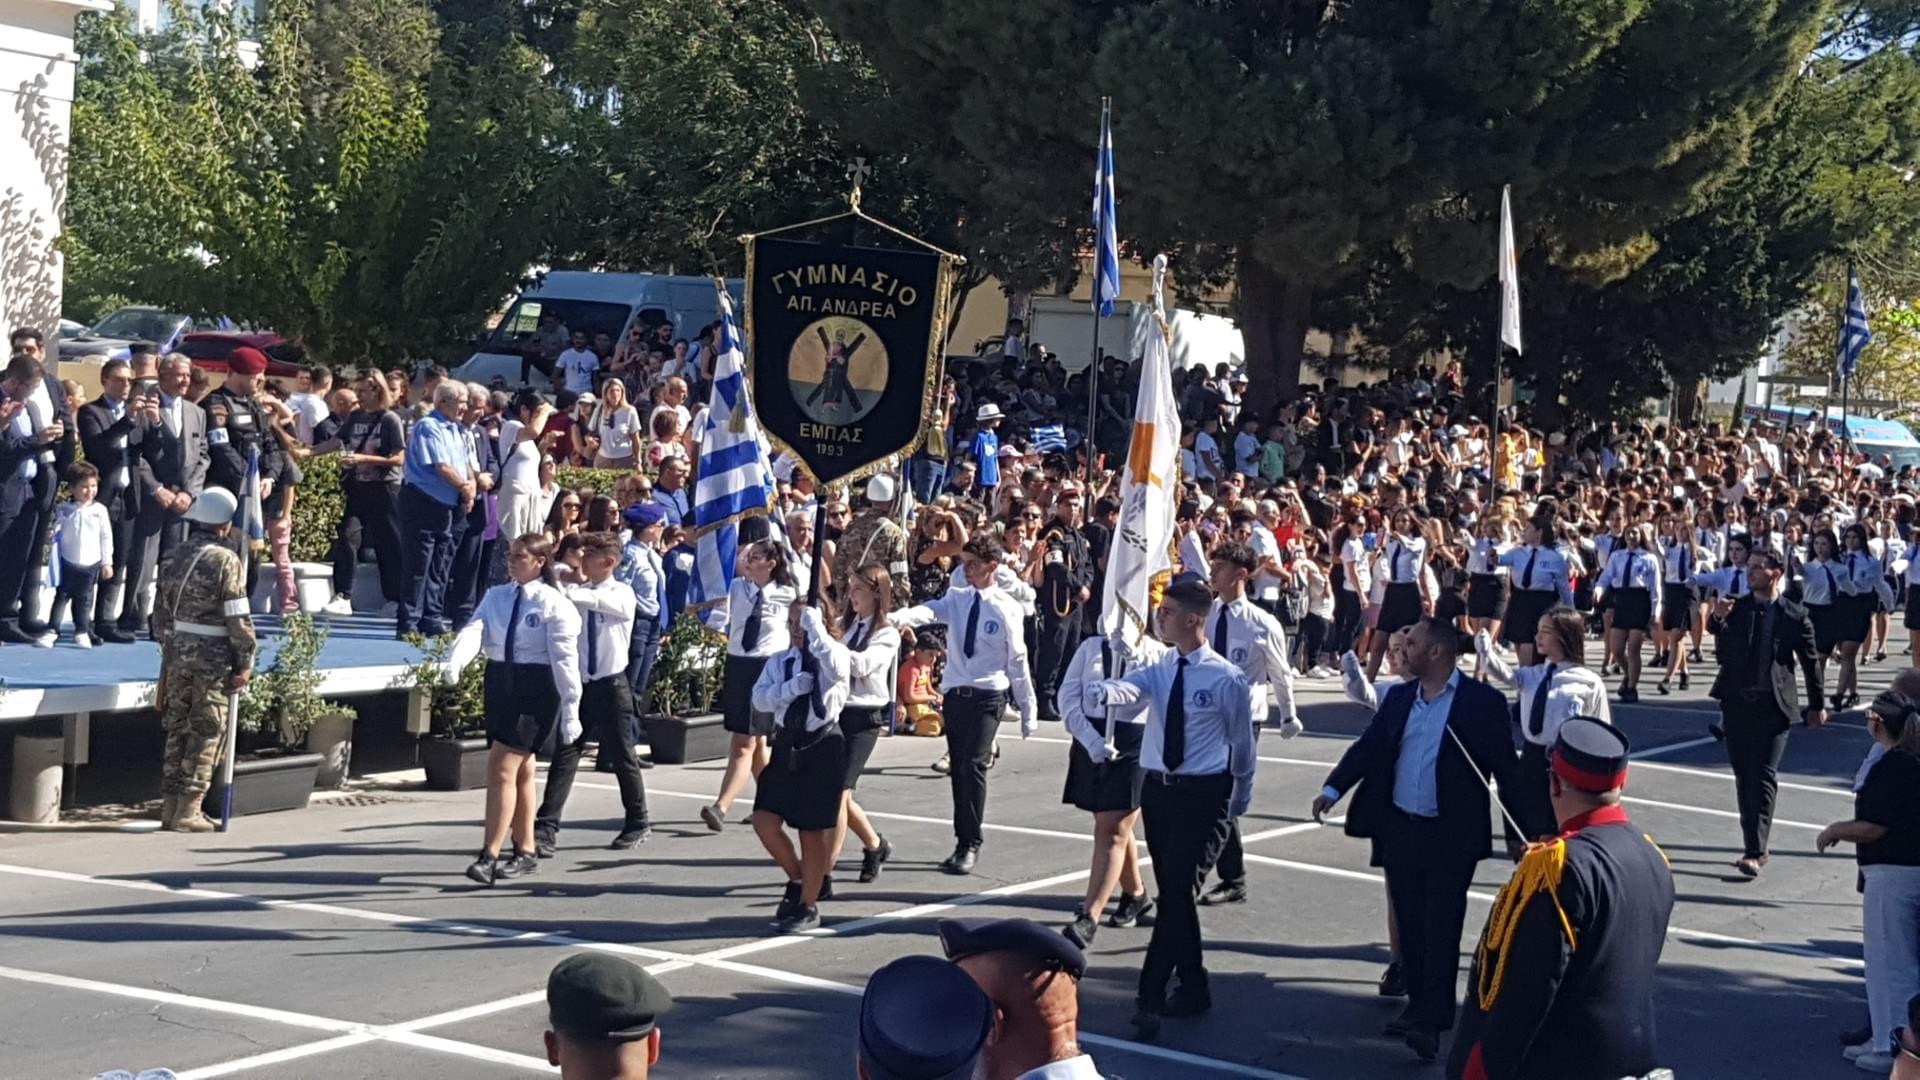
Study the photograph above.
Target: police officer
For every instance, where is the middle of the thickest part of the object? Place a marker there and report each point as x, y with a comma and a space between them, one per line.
1066, 584
603, 1017
1562, 981
206, 652
236, 426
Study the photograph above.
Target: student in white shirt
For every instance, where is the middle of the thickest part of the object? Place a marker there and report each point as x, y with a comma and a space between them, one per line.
1552, 692
872, 645
757, 603
1854, 609
309, 403
803, 687
1679, 603
1539, 573
576, 367
1891, 551
1486, 577
530, 633
1630, 583
1403, 561
606, 701
83, 534
986, 666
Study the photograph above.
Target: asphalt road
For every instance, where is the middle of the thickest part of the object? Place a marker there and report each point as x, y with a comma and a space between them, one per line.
344, 941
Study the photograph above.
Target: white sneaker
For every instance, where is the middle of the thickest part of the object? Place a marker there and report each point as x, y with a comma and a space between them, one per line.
339, 605
1322, 671
1852, 1053
1874, 1061
46, 640
82, 641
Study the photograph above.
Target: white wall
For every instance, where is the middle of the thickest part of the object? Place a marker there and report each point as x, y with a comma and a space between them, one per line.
36, 85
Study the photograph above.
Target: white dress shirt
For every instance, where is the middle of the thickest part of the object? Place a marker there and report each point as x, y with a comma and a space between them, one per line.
1256, 643
774, 601
1631, 568
1677, 561
1821, 582
1540, 569
1571, 691
1083, 709
1730, 581
1004, 579
1073, 1068
548, 634
782, 681
1406, 556
1860, 572
606, 627
871, 650
1193, 554
1484, 558
85, 534
999, 660
1218, 725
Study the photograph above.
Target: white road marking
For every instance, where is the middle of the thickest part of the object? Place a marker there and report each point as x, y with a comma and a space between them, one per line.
277, 1057
190, 1001
1714, 774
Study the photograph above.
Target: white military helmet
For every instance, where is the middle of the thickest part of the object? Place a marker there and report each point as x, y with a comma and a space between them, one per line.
215, 506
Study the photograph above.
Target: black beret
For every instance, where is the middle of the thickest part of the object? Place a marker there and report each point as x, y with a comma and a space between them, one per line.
970, 937
921, 1018
593, 995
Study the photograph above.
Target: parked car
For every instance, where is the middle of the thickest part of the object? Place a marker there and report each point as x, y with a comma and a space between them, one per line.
210, 350
112, 336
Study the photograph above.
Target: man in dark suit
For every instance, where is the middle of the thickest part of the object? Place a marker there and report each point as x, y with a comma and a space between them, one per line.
1760, 638
110, 437
1421, 769
172, 470
24, 537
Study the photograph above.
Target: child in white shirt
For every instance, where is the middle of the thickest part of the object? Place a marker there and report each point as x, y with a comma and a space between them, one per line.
83, 542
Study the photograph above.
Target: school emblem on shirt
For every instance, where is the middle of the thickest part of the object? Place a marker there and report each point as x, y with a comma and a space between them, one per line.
1202, 698
1238, 656
844, 344
532, 619
991, 627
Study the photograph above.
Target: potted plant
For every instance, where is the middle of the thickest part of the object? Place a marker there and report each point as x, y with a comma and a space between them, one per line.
454, 750
682, 725
278, 708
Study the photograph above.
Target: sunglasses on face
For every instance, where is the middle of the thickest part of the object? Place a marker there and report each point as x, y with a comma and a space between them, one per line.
570, 506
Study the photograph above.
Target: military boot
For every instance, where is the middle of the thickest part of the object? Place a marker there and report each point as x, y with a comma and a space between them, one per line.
169, 804
188, 818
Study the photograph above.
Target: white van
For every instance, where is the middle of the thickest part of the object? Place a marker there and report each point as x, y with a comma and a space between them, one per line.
595, 303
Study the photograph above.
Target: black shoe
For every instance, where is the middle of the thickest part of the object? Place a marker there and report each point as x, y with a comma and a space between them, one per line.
1628, 695
630, 837
1146, 1024
1128, 912
1660, 659
1424, 1043
1227, 892
1663, 688
1684, 680
520, 865
802, 918
789, 903
1081, 930
545, 846
114, 635
1694, 657
11, 634
483, 870
1839, 701
962, 860
1714, 729
1877, 657
1398, 1027
826, 888
643, 761
1856, 1036
871, 861
1185, 1002
713, 817
1393, 982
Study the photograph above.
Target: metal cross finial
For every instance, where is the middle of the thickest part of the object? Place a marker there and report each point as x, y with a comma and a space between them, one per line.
859, 172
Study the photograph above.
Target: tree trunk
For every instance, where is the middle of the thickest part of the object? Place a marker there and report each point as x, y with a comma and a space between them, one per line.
1273, 312
1686, 403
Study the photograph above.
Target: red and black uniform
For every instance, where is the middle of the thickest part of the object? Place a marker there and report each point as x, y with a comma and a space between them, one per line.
1562, 983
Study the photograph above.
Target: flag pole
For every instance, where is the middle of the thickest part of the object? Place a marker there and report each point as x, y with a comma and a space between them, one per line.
1102, 222
233, 710
1846, 373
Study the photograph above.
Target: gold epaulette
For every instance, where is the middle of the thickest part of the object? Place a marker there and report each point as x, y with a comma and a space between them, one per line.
1656, 847
1540, 870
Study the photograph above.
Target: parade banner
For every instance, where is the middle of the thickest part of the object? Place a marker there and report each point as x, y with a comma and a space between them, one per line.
844, 345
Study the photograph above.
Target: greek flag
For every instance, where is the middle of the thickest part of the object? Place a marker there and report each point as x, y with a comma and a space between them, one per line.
735, 479
1855, 334
1050, 439
1106, 245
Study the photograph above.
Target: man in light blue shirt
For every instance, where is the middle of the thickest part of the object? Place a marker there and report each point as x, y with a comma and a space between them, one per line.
1416, 789
439, 483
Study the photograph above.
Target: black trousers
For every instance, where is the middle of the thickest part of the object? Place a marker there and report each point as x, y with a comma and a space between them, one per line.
1187, 824
1533, 803
1059, 637
428, 538
120, 520
154, 535
1311, 640
23, 539
972, 719
1427, 886
76, 587
606, 709
1347, 614
466, 574
1756, 740
371, 520
1233, 857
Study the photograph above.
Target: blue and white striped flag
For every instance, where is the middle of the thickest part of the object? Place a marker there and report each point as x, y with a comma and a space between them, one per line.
735, 478
1050, 439
1855, 334
1106, 244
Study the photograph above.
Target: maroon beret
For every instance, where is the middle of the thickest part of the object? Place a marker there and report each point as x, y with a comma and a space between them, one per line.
247, 360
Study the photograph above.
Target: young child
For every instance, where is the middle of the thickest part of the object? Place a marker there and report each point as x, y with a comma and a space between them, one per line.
918, 688
83, 538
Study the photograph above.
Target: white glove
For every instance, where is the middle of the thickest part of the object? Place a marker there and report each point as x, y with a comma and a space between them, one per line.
1483, 643
811, 621
1028, 726
1290, 727
801, 684
1100, 753
1353, 677
1117, 641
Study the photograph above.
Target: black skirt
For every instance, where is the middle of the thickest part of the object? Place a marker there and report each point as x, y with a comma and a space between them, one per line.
861, 727
1487, 596
1524, 609
1401, 608
802, 785
1856, 617
737, 713
523, 706
1677, 603
1105, 787
1913, 607
1828, 620
1632, 608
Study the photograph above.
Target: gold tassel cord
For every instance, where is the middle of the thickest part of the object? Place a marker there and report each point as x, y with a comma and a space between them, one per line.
1539, 871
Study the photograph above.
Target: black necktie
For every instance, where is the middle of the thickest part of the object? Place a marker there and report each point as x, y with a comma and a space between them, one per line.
1537, 715
1761, 648
1736, 581
750, 634
1526, 576
795, 719
513, 624
973, 627
1833, 587
1220, 632
593, 649
1173, 744
862, 630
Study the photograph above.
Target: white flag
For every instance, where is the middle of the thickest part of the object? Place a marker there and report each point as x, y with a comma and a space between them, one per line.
1509, 275
1149, 485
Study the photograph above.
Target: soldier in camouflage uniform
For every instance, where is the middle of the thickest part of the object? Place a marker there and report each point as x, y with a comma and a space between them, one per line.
874, 537
206, 651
